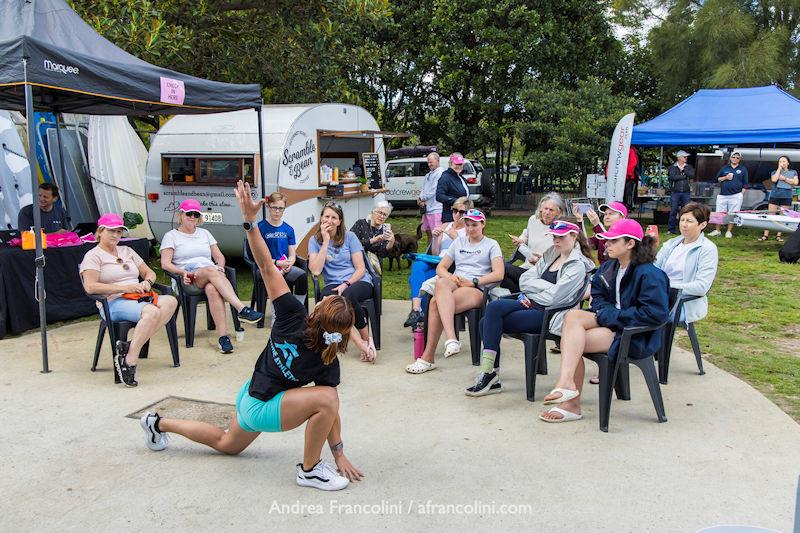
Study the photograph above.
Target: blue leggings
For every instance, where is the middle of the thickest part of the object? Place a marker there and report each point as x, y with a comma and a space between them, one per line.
420, 271
507, 316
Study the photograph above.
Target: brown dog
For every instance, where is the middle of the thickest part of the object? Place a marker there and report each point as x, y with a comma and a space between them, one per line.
404, 244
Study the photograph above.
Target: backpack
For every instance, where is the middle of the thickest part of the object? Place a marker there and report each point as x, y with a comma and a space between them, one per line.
790, 251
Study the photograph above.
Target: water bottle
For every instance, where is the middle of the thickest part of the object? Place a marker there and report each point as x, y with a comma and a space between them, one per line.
419, 340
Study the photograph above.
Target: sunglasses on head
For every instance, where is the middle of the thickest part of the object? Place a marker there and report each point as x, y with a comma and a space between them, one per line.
461, 212
334, 205
193, 214
125, 266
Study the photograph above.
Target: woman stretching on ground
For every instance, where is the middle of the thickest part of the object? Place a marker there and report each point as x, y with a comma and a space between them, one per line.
628, 290
302, 348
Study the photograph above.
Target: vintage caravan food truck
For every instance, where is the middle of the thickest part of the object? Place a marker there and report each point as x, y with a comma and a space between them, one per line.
305, 147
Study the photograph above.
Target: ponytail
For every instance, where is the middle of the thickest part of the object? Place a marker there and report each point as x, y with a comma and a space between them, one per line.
644, 251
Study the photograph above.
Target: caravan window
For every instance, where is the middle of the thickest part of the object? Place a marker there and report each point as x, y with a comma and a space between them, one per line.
207, 170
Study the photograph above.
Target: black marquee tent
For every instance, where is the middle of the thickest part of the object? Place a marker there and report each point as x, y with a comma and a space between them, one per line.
51, 60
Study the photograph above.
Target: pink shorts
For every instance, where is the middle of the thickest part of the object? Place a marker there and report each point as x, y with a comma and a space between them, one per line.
429, 222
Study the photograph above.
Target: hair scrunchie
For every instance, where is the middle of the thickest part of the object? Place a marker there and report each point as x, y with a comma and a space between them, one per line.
330, 338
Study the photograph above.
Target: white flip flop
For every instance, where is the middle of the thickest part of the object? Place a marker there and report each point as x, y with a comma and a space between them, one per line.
420, 366
566, 416
566, 395
451, 347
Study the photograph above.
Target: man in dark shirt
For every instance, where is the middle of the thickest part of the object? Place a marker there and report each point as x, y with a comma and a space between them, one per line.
732, 179
679, 175
54, 218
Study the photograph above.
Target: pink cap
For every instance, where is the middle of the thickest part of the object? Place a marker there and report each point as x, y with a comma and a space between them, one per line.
190, 205
111, 221
562, 227
619, 207
457, 159
623, 228
476, 215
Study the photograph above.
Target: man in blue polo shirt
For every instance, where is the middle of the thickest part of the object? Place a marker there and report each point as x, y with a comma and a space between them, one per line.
732, 179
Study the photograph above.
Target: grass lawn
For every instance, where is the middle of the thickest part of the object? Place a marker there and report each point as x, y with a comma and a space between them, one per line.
752, 329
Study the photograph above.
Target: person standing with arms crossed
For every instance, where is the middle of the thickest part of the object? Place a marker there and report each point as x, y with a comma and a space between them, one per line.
679, 174
432, 216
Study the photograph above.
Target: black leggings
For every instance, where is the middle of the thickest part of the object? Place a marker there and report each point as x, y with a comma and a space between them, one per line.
511, 277
356, 293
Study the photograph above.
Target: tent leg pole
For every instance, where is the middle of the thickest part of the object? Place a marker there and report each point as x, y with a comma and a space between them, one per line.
261, 162
37, 219
63, 165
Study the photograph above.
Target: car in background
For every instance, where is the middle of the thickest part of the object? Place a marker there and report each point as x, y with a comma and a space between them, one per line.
404, 178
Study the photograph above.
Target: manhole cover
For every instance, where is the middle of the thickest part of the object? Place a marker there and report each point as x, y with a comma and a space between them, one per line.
218, 414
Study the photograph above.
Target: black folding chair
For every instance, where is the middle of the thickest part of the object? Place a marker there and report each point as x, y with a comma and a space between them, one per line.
614, 375
118, 331
372, 306
669, 337
188, 305
535, 343
258, 298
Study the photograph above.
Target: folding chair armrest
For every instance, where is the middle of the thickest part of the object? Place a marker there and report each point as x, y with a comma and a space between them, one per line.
688, 298
317, 290
230, 273
163, 289
172, 275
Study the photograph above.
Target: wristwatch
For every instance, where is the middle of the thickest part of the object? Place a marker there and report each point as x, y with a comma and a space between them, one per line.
475, 282
249, 226
347, 283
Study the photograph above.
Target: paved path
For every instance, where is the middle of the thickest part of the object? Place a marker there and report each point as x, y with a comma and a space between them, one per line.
71, 460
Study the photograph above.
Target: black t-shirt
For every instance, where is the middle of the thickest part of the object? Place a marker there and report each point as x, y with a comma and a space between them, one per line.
286, 362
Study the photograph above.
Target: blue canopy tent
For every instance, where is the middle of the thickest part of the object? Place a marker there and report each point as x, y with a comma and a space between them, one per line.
756, 115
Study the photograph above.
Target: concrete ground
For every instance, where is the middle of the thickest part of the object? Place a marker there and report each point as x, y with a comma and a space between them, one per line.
433, 458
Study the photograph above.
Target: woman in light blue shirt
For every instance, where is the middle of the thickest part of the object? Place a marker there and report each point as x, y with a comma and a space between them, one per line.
338, 256
690, 261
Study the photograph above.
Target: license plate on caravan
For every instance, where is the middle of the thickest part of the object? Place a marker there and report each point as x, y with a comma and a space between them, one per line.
214, 218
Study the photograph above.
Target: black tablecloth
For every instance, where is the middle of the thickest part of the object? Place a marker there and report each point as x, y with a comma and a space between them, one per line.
19, 310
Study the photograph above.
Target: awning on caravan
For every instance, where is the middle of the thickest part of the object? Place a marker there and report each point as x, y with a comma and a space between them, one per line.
753, 115
366, 134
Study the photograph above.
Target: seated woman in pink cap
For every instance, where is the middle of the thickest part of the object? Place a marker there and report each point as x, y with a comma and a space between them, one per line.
192, 252
554, 280
628, 290
112, 270
611, 213
478, 263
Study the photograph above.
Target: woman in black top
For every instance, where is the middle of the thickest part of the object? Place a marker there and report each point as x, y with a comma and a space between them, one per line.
301, 349
374, 234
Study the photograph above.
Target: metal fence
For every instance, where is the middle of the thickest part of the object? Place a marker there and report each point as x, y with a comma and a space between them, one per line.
523, 190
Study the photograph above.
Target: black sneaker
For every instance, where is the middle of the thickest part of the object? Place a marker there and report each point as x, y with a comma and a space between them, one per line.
250, 316
125, 372
413, 318
485, 384
225, 345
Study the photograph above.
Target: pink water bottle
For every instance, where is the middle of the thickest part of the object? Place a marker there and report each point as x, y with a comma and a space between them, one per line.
419, 340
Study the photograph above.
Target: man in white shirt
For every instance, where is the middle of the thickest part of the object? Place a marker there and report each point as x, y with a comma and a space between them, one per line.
432, 217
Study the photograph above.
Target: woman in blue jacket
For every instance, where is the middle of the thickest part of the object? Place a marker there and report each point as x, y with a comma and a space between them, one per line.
628, 290
690, 261
452, 186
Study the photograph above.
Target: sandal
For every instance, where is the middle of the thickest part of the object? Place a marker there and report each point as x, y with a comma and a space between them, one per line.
566, 416
763, 238
779, 239
451, 347
594, 380
566, 395
420, 366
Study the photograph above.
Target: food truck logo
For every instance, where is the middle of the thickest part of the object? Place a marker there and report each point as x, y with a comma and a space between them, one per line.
298, 156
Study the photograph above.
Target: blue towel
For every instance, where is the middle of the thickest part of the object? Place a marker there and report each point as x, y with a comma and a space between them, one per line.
433, 259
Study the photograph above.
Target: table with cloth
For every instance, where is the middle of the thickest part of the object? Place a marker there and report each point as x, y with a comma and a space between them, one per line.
19, 310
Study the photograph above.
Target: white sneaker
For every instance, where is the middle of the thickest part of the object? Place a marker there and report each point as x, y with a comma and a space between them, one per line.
155, 439
323, 476
728, 235
715, 233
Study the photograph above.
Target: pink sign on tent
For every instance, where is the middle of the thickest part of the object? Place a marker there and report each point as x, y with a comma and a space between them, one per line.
172, 91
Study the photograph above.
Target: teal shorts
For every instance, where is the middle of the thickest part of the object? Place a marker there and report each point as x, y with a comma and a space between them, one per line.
255, 415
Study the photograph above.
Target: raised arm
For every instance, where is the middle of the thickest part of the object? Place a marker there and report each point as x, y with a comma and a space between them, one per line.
273, 279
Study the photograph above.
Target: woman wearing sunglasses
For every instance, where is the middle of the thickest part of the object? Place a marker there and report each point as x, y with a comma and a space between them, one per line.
281, 242
302, 349
338, 256
554, 280
421, 271
628, 290
112, 270
478, 264
192, 252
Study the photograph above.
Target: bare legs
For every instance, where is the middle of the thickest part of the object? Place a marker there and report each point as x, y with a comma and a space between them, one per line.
448, 301
152, 318
772, 210
220, 282
317, 405
581, 334
216, 305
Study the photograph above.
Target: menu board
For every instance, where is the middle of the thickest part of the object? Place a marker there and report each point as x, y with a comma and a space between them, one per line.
372, 169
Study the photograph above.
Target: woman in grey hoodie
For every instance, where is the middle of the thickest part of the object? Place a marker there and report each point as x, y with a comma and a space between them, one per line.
554, 280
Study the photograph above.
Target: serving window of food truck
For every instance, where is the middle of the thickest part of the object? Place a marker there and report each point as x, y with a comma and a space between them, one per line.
223, 170
345, 151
